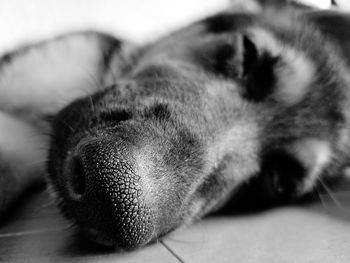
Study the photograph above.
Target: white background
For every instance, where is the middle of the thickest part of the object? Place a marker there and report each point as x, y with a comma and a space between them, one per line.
24, 21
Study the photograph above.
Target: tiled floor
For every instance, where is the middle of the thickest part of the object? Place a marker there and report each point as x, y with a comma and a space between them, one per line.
318, 232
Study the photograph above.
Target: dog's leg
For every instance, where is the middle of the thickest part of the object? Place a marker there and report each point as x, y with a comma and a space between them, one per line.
35, 83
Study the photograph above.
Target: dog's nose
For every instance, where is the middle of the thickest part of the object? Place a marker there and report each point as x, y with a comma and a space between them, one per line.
106, 194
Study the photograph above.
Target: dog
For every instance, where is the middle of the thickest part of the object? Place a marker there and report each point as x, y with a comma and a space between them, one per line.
136, 141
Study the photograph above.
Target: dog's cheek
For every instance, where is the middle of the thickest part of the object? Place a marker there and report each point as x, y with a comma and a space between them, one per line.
218, 188
209, 195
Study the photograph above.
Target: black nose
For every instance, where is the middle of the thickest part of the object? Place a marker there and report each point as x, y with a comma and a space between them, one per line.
106, 193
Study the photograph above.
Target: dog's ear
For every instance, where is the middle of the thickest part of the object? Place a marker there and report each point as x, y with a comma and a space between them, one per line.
40, 79
335, 25
258, 73
265, 67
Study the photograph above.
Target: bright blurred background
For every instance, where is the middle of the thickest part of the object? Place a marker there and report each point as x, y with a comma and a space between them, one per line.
29, 20
26, 21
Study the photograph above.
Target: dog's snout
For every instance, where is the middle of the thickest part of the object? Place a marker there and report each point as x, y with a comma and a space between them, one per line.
105, 194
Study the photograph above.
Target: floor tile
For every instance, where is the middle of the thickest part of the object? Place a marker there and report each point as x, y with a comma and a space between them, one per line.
36, 232
318, 232
61, 246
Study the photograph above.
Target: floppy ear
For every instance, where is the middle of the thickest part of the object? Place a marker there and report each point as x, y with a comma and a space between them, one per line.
258, 69
335, 25
40, 79
265, 67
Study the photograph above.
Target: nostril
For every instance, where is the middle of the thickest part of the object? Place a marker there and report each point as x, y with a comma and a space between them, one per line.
76, 181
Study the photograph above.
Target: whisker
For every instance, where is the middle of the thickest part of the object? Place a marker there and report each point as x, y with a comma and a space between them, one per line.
92, 79
321, 198
157, 239
67, 125
92, 104
47, 204
330, 194
38, 162
71, 225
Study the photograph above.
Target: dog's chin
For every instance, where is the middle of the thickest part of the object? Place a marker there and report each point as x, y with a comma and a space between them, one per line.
119, 236
113, 242
114, 235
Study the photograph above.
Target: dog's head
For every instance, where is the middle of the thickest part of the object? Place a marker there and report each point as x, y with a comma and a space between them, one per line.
200, 112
